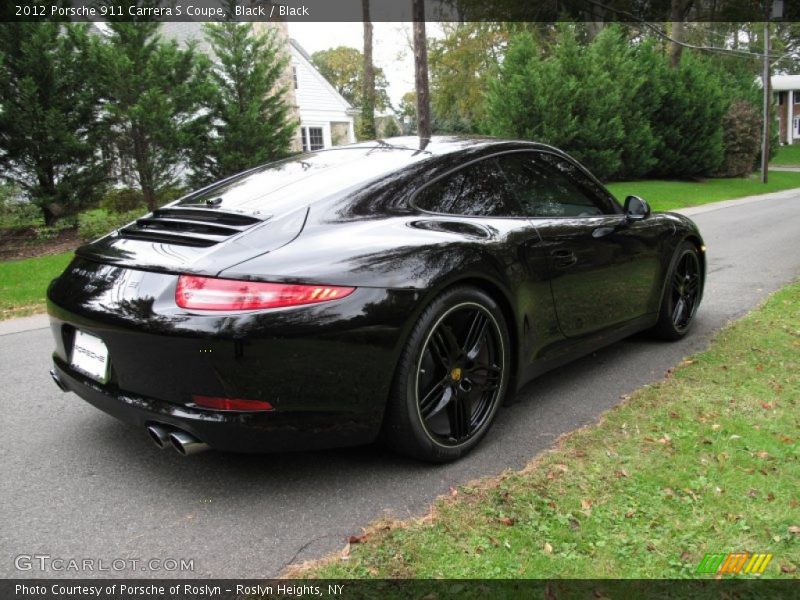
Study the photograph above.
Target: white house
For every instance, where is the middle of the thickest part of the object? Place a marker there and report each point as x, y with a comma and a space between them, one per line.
786, 89
326, 118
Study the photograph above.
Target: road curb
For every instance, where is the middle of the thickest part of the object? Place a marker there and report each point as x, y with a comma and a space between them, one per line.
21, 324
697, 210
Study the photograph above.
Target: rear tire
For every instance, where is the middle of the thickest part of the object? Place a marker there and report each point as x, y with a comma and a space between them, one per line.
681, 294
451, 378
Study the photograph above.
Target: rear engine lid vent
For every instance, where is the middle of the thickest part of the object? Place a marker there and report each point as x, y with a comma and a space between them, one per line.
188, 226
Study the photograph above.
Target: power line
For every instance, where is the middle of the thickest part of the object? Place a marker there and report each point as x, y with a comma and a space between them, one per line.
661, 33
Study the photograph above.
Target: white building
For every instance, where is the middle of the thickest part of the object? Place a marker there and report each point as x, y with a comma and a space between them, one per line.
786, 89
326, 118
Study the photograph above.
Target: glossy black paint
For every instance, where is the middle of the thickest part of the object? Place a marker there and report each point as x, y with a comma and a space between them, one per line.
567, 285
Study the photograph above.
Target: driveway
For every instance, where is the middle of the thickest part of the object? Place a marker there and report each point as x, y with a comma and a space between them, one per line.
77, 484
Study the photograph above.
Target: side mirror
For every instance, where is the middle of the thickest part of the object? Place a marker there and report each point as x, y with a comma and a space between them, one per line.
636, 209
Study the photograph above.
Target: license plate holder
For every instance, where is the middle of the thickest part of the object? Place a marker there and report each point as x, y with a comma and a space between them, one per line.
90, 356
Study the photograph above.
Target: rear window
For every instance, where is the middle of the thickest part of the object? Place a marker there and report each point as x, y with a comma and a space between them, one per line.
280, 186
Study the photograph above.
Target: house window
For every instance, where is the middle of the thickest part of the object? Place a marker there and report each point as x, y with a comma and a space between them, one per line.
797, 97
780, 98
312, 138
294, 76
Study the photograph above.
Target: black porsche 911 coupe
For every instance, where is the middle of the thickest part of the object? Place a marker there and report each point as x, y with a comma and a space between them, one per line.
367, 290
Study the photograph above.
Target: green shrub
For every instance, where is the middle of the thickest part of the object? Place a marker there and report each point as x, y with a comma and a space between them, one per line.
122, 200
18, 215
741, 139
97, 223
168, 194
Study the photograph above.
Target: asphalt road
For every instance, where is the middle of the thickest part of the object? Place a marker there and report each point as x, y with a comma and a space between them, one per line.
77, 484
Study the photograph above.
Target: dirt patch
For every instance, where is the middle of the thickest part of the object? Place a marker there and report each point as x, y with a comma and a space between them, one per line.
16, 244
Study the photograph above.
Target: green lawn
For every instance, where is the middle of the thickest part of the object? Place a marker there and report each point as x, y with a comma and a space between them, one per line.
669, 195
705, 461
23, 283
787, 155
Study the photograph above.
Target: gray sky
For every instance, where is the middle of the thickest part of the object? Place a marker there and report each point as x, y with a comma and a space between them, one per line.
390, 41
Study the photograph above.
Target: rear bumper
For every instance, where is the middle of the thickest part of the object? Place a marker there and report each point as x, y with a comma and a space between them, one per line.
230, 432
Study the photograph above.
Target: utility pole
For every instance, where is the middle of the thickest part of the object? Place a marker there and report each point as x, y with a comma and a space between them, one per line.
766, 86
421, 73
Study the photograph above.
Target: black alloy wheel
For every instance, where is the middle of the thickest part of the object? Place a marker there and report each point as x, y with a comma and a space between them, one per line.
685, 290
682, 294
451, 379
459, 374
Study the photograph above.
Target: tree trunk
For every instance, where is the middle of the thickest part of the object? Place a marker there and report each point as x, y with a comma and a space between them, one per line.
368, 92
677, 13
421, 74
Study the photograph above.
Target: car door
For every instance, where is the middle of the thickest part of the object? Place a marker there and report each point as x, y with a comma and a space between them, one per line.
480, 192
602, 268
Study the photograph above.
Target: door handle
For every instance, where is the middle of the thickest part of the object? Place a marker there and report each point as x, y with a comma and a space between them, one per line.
563, 258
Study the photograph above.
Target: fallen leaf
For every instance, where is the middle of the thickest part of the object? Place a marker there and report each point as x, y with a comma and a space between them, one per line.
508, 521
548, 549
357, 539
453, 492
766, 405
493, 541
770, 497
621, 473
674, 415
574, 524
716, 426
795, 529
345, 554
629, 514
685, 556
479, 550
586, 504
762, 454
759, 367
651, 547
668, 491
788, 568
752, 493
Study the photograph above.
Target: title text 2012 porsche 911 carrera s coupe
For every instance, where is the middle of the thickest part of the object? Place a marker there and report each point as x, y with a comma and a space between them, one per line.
368, 290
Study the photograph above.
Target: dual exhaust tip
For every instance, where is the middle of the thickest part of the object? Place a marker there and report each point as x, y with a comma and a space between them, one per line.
183, 443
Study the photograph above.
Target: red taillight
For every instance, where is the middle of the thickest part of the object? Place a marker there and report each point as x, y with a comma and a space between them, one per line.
208, 293
217, 403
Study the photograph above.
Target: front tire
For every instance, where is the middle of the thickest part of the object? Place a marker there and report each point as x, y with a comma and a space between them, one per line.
681, 294
451, 378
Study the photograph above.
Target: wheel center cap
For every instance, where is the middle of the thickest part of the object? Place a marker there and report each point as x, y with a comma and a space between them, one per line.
455, 374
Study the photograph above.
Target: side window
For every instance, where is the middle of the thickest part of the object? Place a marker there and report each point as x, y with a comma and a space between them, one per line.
479, 189
550, 186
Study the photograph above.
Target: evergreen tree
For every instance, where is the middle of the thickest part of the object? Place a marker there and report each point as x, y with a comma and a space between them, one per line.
688, 120
567, 99
48, 116
156, 92
249, 116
